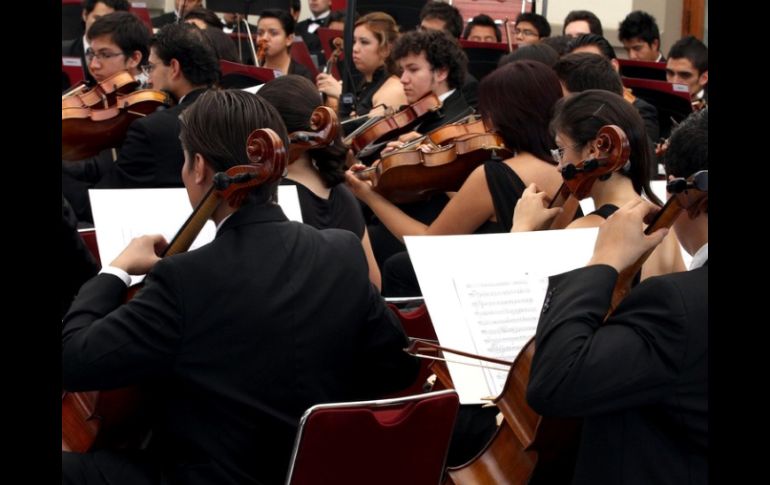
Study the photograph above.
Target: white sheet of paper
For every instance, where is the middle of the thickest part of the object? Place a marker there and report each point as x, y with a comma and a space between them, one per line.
123, 214
452, 269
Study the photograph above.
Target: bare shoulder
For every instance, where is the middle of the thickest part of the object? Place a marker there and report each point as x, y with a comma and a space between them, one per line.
391, 93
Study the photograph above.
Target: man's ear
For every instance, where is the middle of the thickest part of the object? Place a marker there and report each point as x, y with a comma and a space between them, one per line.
441, 74
200, 169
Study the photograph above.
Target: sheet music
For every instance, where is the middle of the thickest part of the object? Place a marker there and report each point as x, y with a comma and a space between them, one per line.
501, 313
450, 268
123, 214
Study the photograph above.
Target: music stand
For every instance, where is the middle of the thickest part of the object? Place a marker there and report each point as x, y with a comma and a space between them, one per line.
245, 7
483, 56
406, 13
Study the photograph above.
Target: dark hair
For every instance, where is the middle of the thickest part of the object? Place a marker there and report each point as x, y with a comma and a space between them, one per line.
594, 24
485, 21
559, 43
222, 43
208, 16
125, 29
287, 21
538, 21
385, 30
533, 52
295, 5
441, 51
581, 115
518, 99
191, 48
295, 97
688, 146
693, 50
583, 70
217, 125
592, 39
639, 24
337, 16
453, 20
117, 5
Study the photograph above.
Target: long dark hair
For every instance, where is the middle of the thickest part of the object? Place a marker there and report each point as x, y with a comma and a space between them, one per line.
295, 97
518, 98
581, 115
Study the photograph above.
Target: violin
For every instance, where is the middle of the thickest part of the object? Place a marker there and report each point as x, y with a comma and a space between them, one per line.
326, 127
259, 60
337, 43
687, 195
614, 151
87, 131
104, 93
102, 418
364, 140
404, 176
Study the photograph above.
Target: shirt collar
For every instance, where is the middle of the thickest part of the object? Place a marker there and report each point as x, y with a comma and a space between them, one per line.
322, 16
700, 257
444, 96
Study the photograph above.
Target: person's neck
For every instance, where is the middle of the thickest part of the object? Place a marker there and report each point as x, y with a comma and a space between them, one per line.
616, 190
222, 212
697, 234
303, 171
280, 62
183, 89
316, 16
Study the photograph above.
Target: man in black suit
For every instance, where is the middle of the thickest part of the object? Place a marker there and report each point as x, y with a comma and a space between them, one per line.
92, 10
639, 380
181, 7
242, 335
183, 63
308, 28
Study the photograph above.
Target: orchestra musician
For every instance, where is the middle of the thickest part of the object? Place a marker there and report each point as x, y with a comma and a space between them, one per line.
576, 123
516, 101
241, 336
92, 10
688, 63
640, 380
318, 173
276, 29
182, 63
373, 38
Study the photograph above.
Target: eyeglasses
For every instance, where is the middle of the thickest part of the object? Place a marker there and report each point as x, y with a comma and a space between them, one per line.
699, 181
148, 68
526, 33
558, 153
101, 55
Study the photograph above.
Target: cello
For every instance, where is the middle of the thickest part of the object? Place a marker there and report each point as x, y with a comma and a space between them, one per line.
100, 419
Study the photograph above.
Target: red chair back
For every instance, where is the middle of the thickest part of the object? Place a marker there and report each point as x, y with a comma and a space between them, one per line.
416, 324
73, 68
381, 442
140, 10
89, 237
301, 55
238, 76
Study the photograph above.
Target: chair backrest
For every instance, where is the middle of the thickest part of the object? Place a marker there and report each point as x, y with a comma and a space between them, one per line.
389, 441
89, 238
655, 71
72, 67
301, 55
238, 76
671, 100
416, 324
140, 10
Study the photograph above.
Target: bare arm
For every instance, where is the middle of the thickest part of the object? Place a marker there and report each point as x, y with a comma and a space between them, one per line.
374, 269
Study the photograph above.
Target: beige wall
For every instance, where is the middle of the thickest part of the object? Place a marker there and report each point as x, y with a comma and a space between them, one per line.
668, 14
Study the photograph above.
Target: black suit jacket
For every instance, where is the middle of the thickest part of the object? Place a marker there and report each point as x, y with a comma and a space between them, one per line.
312, 41
640, 381
76, 48
151, 157
243, 335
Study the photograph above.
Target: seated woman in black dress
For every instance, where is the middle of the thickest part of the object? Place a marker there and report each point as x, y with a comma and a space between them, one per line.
276, 27
577, 120
318, 173
373, 38
517, 101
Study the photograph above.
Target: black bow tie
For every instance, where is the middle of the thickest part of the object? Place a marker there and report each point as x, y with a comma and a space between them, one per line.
316, 21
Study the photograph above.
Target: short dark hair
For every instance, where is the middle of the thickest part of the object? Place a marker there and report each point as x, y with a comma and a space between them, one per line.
540, 23
453, 20
639, 24
295, 5
559, 43
583, 70
518, 99
534, 52
287, 21
219, 122
581, 115
693, 50
117, 5
592, 39
594, 24
222, 43
125, 29
295, 97
191, 48
441, 51
688, 146
485, 21
208, 16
